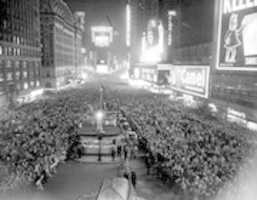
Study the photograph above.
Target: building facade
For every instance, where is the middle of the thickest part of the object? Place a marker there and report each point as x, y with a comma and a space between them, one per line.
79, 30
20, 58
188, 35
58, 43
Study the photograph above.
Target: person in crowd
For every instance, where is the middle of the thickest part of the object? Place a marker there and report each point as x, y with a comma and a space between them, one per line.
147, 164
125, 150
119, 149
133, 178
113, 153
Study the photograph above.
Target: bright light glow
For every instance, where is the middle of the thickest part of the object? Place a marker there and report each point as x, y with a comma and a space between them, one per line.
26, 86
236, 116
102, 41
84, 75
36, 93
124, 76
189, 100
138, 83
252, 125
128, 25
83, 50
153, 54
102, 35
213, 107
102, 69
99, 115
171, 14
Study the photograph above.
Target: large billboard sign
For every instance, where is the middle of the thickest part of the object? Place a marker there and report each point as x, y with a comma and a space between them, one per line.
102, 36
237, 35
190, 79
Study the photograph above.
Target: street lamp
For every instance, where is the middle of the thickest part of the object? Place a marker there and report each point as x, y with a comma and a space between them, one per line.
99, 115
99, 120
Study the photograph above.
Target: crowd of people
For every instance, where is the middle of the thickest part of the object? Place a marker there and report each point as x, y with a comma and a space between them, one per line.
37, 136
184, 148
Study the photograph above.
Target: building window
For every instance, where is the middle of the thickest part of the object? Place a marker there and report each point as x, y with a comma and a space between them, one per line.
25, 86
9, 76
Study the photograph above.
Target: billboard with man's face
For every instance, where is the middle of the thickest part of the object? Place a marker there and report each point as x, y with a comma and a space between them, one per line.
237, 35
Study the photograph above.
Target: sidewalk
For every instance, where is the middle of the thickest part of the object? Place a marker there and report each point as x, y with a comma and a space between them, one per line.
149, 187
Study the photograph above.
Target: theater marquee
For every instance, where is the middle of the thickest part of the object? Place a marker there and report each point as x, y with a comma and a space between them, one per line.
237, 35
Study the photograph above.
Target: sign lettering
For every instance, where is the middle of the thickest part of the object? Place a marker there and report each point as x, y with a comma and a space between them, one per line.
237, 5
237, 49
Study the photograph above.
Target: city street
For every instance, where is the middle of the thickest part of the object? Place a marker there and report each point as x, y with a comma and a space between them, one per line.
162, 93
76, 179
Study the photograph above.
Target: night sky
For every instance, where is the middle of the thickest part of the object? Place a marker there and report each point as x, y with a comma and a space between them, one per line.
97, 10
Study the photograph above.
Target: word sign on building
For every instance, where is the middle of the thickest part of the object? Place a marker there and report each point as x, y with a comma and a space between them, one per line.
237, 49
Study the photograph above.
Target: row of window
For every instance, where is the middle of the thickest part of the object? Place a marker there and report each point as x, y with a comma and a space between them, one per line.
18, 70
13, 51
19, 86
19, 37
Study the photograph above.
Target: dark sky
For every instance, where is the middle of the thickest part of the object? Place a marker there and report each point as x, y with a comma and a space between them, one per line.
97, 10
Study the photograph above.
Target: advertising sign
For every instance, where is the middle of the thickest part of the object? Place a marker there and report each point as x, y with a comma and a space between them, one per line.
237, 35
192, 80
102, 36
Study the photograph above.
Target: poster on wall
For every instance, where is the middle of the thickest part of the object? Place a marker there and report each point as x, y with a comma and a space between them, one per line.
237, 35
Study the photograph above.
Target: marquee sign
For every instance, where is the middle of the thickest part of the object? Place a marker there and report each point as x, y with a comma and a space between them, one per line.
192, 80
237, 35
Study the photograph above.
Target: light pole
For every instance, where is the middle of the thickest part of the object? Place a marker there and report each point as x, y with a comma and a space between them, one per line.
99, 124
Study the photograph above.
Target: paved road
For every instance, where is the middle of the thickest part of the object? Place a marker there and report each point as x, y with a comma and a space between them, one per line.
73, 179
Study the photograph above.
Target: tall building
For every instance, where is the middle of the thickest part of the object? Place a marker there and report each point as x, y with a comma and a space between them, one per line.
191, 32
79, 40
19, 48
57, 39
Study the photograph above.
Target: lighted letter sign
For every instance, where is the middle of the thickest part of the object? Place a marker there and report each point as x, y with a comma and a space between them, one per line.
192, 80
171, 14
128, 25
102, 36
237, 35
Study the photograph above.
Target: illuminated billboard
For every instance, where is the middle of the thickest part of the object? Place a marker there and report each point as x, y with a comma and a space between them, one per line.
153, 43
190, 79
102, 36
237, 35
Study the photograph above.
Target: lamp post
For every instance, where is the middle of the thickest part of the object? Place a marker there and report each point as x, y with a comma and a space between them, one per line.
99, 126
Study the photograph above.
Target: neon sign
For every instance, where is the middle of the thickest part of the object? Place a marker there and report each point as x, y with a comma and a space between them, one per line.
237, 35
171, 14
153, 43
193, 80
128, 25
237, 5
102, 36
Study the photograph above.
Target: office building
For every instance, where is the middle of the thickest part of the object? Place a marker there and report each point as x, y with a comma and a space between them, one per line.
20, 58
